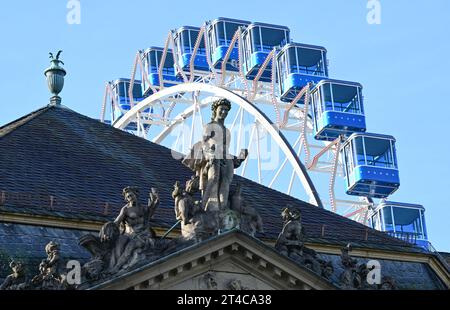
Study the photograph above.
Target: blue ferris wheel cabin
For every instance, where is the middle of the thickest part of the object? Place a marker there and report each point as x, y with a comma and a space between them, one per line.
152, 60
120, 92
220, 33
185, 38
337, 109
299, 64
401, 220
370, 165
259, 39
120, 89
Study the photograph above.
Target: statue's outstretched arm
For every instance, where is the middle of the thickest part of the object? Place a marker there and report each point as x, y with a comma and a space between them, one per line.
237, 161
119, 219
153, 201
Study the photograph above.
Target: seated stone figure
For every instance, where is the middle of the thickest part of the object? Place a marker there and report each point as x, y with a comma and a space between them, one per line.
185, 206
50, 277
17, 280
249, 219
354, 275
290, 240
134, 218
196, 223
124, 242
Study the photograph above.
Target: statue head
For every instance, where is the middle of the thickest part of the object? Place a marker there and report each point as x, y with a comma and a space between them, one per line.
387, 283
51, 247
192, 184
290, 213
209, 280
177, 190
230, 220
17, 268
347, 249
130, 194
220, 109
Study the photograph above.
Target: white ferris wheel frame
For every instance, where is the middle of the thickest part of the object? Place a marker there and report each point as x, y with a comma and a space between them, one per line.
243, 103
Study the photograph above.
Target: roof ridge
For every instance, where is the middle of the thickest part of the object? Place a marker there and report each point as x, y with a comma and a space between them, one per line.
15, 124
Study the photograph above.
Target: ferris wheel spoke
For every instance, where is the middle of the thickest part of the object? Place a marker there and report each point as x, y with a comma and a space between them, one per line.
172, 96
238, 113
238, 144
280, 169
258, 153
291, 182
250, 144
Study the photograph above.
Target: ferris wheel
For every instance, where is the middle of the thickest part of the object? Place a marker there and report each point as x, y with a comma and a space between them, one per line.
305, 132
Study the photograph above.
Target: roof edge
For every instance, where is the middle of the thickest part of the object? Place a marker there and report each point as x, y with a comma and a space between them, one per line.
13, 125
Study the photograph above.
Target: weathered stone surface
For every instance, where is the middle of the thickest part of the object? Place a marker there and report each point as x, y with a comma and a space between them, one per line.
26, 243
127, 241
290, 243
217, 211
407, 275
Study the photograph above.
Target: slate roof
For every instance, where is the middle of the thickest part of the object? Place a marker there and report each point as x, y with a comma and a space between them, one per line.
58, 162
26, 243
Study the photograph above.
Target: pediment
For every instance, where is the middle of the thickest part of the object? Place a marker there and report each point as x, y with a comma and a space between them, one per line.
230, 261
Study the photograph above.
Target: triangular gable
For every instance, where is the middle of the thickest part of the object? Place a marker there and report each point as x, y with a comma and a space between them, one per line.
230, 261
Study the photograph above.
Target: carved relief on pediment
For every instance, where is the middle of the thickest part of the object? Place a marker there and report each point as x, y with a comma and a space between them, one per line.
220, 280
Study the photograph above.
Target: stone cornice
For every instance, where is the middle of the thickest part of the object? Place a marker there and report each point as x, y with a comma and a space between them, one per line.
58, 222
254, 256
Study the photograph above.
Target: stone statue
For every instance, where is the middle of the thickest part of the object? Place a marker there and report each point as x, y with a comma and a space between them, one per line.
327, 269
290, 240
134, 220
249, 219
208, 281
124, 242
17, 280
49, 277
346, 259
196, 223
354, 276
229, 219
185, 205
236, 285
387, 283
211, 161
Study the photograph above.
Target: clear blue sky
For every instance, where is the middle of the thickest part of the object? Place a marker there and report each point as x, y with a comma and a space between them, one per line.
403, 64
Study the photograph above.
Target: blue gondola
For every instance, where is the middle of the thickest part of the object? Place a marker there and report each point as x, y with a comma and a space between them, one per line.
220, 33
185, 38
120, 92
151, 60
401, 220
370, 165
337, 109
259, 39
299, 64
